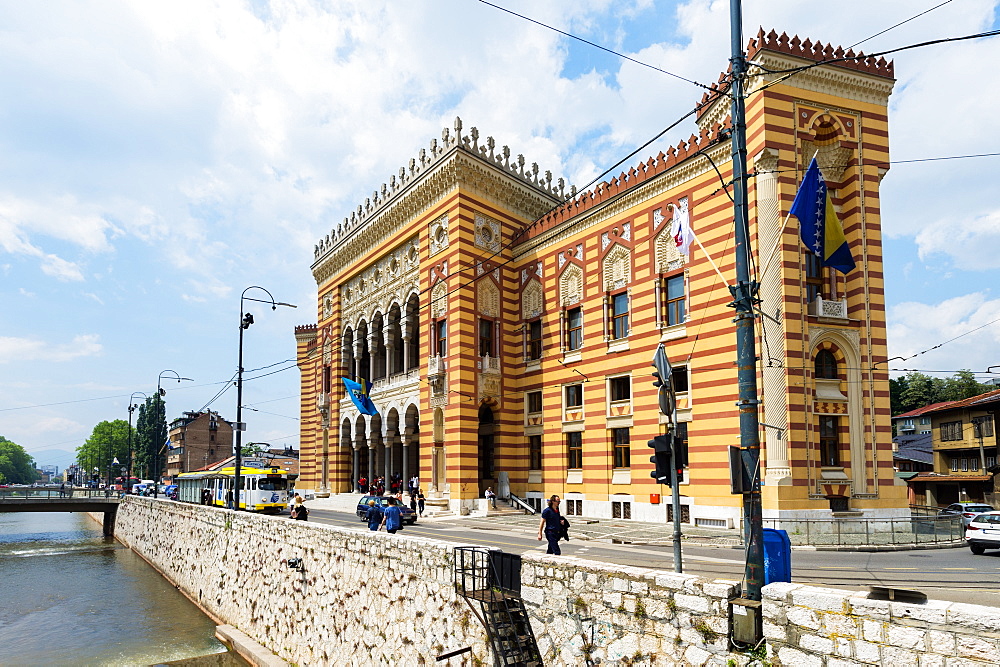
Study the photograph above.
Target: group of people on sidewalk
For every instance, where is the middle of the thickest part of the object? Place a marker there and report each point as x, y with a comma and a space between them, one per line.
377, 486
389, 517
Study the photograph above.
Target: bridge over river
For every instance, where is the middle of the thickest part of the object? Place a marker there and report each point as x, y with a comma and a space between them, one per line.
29, 499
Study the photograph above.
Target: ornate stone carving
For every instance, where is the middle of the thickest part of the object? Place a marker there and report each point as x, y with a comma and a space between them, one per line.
487, 233
571, 286
617, 268
327, 306
488, 298
532, 300
439, 300
437, 234
668, 257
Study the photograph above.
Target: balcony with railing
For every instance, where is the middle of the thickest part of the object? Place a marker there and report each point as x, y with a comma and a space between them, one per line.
821, 307
396, 380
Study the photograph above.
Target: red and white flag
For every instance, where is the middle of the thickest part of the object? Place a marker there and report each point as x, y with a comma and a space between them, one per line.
683, 234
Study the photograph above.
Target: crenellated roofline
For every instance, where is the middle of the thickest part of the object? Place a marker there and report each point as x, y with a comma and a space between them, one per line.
425, 162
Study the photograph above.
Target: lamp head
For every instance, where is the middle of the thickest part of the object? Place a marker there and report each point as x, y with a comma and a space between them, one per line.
247, 321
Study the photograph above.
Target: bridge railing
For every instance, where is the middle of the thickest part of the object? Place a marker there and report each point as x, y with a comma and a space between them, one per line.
36, 493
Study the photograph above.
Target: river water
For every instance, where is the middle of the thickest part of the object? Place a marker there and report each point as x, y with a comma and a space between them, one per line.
70, 596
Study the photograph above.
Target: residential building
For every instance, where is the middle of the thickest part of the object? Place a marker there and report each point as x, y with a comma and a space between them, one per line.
507, 322
197, 439
964, 443
916, 421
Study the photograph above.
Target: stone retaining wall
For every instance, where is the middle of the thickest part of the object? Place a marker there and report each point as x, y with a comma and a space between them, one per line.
374, 598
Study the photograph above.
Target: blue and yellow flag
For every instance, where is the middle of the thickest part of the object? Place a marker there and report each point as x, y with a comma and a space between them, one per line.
819, 227
358, 391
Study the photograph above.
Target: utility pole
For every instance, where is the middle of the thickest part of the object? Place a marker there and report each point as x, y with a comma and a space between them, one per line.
744, 297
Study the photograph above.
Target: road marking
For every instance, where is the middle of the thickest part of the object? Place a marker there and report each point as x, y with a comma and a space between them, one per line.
899, 568
971, 569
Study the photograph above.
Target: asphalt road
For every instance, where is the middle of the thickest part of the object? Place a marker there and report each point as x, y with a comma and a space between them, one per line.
943, 574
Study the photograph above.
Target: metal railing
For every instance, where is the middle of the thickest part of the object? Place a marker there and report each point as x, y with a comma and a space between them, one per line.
860, 532
42, 493
517, 502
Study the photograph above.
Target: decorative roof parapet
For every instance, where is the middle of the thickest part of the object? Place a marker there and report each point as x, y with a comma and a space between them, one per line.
644, 171
807, 50
428, 158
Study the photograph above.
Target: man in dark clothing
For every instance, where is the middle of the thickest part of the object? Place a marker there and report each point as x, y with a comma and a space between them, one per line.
373, 516
553, 525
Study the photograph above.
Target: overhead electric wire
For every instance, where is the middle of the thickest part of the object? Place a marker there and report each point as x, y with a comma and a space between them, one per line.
893, 27
596, 46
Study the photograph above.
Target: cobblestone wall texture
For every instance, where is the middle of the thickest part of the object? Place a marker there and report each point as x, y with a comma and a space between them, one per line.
373, 598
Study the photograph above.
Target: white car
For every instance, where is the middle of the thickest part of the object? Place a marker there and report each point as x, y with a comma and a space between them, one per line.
983, 532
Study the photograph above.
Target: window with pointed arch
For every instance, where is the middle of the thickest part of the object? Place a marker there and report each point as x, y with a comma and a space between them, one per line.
826, 366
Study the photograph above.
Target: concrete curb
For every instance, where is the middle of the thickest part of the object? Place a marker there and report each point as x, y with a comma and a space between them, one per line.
248, 649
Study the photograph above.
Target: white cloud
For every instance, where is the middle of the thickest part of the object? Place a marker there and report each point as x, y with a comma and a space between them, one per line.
966, 327
972, 244
32, 349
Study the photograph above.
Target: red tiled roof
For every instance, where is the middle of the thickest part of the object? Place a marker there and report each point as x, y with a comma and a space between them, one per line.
926, 408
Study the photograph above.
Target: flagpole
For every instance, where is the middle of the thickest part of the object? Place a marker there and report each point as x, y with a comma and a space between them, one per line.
781, 233
709, 258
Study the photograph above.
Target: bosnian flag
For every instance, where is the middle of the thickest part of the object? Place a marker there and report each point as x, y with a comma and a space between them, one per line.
683, 234
358, 393
819, 227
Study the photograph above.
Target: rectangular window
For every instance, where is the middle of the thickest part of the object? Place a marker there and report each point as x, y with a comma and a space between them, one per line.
619, 315
679, 378
535, 452
620, 442
954, 465
534, 331
682, 453
620, 388
574, 450
675, 300
441, 338
574, 395
974, 464
829, 440
951, 431
621, 510
486, 338
983, 426
814, 277
534, 402
991, 461
574, 328
965, 465
574, 507
326, 388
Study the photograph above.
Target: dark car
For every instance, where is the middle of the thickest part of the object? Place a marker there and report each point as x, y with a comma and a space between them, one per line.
409, 516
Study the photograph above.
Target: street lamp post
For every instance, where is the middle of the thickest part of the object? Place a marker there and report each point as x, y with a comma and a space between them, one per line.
132, 406
246, 319
161, 392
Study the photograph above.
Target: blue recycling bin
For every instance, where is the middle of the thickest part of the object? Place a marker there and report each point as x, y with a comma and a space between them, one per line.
777, 556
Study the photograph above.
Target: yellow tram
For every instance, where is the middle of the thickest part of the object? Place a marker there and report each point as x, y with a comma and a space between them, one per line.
261, 489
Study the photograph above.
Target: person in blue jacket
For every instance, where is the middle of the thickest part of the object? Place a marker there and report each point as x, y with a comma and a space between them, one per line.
373, 516
393, 516
553, 525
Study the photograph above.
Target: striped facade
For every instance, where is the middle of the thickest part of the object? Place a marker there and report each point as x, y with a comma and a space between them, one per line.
508, 324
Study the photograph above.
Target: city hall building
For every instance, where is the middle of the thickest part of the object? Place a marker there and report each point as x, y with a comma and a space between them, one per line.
507, 322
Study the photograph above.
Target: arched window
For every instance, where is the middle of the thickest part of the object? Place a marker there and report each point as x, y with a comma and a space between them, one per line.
826, 365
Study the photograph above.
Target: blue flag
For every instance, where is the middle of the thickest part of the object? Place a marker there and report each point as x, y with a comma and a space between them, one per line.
358, 391
819, 227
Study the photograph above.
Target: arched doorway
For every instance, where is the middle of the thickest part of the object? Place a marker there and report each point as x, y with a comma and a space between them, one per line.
487, 449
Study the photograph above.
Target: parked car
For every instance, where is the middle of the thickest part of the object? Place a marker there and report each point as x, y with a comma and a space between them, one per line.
983, 532
409, 516
170, 491
967, 510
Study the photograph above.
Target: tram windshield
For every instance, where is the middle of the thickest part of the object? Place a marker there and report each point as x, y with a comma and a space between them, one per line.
272, 484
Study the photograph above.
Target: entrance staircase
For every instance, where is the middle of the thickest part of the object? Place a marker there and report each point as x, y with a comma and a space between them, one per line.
490, 582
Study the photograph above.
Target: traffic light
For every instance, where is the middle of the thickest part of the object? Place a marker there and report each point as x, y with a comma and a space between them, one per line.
660, 459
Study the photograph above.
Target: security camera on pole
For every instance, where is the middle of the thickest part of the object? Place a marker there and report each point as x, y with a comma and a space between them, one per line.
666, 456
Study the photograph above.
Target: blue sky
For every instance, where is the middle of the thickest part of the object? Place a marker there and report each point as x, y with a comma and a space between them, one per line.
158, 158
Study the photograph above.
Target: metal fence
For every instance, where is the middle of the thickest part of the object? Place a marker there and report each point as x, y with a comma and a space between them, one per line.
46, 492
858, 532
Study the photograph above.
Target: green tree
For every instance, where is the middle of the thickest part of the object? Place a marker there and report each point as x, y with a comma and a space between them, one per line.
16, 465
107, 442
151, 427
919, 390
963, 384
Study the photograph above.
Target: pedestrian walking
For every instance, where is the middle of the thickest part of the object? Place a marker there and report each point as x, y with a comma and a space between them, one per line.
299, 511
62, 490
363, 485
415, 483
420, 502
491, 497
373, 516
393, 516
413, 502
552, 526
229, 499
